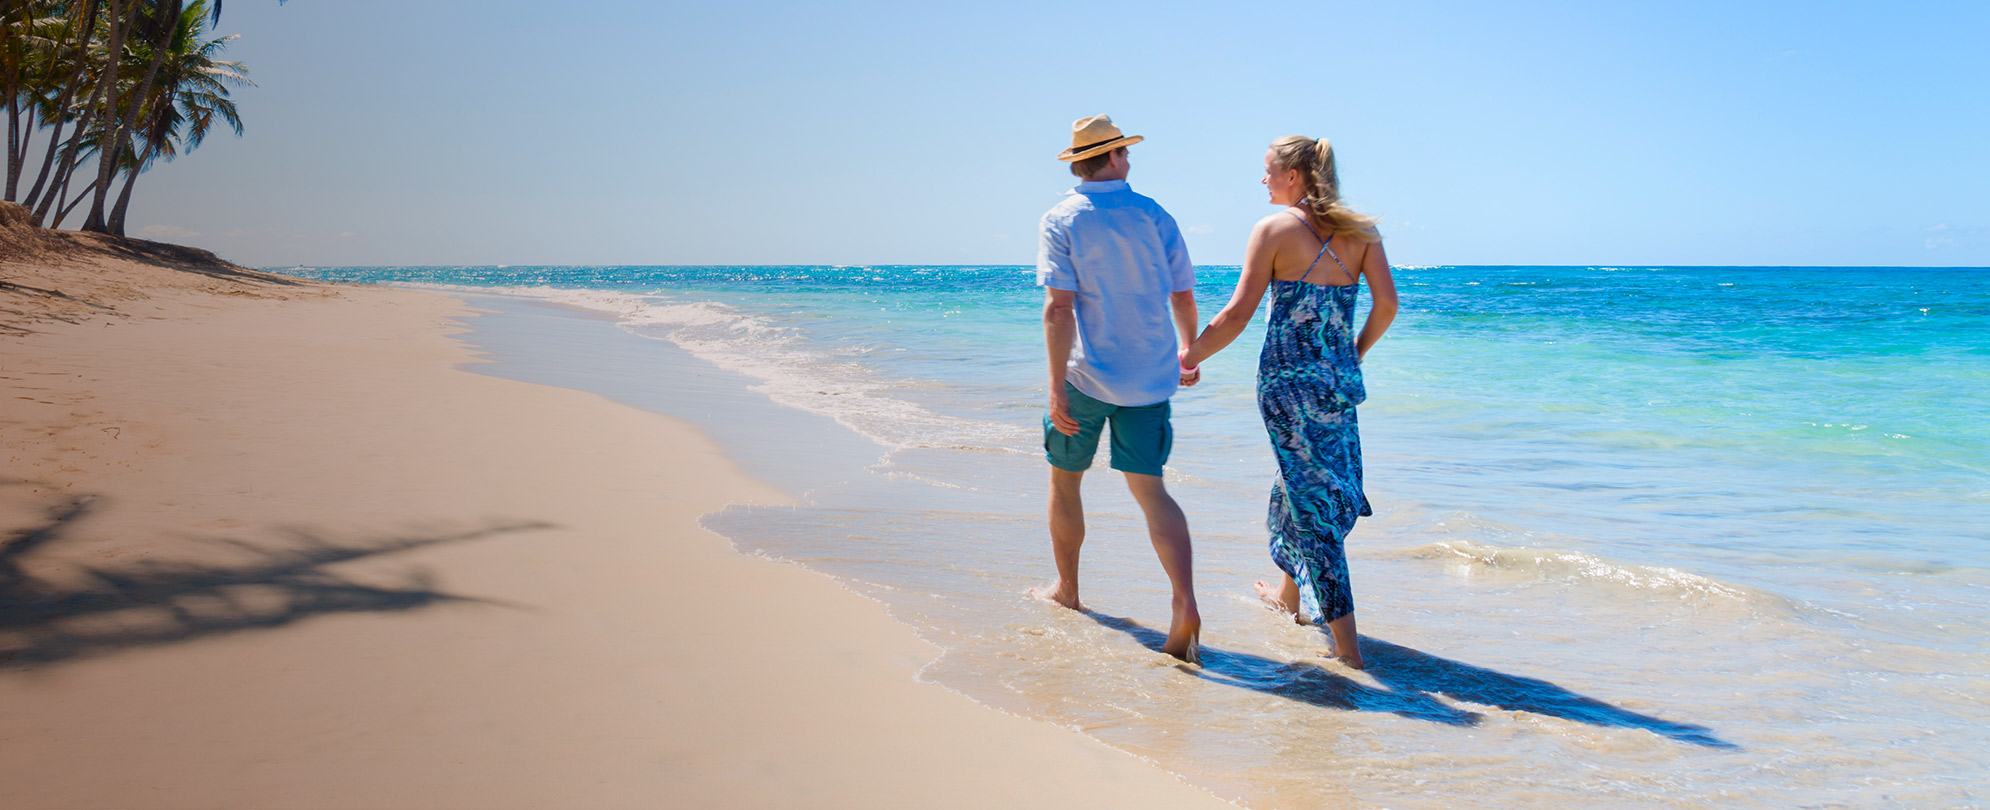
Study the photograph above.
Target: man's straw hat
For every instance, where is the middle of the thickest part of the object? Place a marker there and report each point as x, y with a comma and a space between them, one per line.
1095, 136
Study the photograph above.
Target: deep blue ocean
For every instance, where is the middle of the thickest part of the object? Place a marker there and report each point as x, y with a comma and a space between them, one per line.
1644, 536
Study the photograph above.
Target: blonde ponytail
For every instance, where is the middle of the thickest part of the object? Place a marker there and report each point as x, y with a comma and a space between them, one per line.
1314, 160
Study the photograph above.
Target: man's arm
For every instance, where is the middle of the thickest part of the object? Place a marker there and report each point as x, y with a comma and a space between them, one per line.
1183, 304
1060, 328
1181, 275
1059, 278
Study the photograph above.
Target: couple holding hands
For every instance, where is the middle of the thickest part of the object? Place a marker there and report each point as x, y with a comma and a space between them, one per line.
1120, 291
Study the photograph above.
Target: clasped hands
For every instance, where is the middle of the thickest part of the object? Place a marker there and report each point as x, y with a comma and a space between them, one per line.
1190, 374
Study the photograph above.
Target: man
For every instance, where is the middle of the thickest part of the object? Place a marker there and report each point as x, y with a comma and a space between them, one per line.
1115, 273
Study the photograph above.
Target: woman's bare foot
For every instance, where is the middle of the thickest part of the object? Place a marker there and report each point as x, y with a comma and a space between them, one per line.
1347, 643
1057, 592
1279, 598
1185, 635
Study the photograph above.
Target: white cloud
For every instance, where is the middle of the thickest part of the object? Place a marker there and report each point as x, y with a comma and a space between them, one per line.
1945, 235
1199, 229
166, 232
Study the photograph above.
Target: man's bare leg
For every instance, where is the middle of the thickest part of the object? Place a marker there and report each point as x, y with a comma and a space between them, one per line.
1168, 528
1067, 535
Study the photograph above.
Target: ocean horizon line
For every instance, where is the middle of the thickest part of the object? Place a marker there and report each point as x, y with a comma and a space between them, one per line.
1598, 265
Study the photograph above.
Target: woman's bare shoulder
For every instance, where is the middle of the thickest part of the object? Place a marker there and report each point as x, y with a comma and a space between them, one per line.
1279, 223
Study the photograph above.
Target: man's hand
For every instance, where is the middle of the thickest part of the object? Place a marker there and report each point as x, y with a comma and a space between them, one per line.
1060, 413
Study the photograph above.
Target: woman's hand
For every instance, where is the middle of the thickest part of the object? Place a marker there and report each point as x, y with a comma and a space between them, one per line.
1190, 374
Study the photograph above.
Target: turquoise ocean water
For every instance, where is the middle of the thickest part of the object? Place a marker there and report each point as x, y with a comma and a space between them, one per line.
1643, 536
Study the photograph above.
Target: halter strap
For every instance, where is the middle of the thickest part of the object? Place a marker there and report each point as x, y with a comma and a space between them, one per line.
1326, 249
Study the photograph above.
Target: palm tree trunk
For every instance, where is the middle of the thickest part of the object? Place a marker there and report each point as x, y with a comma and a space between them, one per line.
15, 149
110, 135
107, 170
30, 121
123, 200
67, 164
61, 199
47, 161
155, 135
63, 211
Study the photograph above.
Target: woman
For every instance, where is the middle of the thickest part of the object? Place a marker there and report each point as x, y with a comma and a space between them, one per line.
1312, 257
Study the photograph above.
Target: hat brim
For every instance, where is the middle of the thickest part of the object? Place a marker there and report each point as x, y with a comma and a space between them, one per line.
1125, 140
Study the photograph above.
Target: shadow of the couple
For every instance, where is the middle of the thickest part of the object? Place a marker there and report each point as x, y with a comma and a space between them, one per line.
1410, 679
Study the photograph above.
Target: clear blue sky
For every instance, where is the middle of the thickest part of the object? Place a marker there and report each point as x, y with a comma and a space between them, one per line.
597, 132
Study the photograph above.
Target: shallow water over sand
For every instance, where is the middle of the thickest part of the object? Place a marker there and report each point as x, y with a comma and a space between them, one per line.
1643, 537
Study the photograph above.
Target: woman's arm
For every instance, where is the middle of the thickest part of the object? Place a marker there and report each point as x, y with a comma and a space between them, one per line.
1236, 315
1381, 288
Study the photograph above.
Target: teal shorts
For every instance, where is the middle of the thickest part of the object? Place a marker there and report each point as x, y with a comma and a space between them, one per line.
1141, 437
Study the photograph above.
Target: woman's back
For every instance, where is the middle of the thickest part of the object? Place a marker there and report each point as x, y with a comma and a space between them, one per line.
1310, 328
1295, 247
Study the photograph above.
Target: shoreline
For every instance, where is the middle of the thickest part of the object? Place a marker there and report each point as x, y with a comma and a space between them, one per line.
551, 343
485, 628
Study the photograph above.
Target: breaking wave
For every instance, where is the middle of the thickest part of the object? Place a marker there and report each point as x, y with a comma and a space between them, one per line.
790, 371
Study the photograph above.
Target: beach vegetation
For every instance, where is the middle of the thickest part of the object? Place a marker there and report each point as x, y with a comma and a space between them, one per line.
98, 91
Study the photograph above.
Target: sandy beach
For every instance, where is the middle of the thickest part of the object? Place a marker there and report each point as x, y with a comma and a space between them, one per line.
267, 543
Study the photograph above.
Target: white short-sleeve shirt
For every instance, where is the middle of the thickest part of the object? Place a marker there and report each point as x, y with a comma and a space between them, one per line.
1123, 255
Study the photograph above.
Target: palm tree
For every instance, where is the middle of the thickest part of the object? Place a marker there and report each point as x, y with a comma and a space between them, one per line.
19, 47
113, 85
98, 35
126, 19
119, 118
188, 96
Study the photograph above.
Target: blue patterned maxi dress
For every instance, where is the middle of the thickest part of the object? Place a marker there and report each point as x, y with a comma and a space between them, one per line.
1309, 381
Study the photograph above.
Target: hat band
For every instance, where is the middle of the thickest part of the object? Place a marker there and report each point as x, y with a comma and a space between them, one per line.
1089, 146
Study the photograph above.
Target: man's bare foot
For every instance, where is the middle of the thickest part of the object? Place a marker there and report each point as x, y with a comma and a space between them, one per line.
1274, 597
1185, 635
1058, 593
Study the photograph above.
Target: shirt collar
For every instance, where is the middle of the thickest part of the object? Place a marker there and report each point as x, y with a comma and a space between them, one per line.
1098, 187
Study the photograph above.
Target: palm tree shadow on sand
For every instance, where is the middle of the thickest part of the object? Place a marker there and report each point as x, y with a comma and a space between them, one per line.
95, 610
1410, 680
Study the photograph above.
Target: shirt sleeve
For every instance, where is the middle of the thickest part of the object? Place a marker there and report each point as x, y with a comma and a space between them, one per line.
1181, 273
1053, 256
